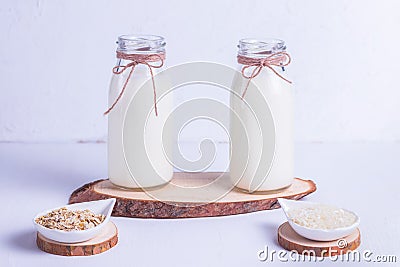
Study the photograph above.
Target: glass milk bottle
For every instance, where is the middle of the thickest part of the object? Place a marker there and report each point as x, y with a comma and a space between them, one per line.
136, 156
262, 103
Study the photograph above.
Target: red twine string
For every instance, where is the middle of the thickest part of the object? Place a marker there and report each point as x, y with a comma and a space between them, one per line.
280, 59
137, 59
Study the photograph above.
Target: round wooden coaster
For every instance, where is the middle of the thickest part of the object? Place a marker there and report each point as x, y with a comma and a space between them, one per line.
106, 240
290, 240
170, 201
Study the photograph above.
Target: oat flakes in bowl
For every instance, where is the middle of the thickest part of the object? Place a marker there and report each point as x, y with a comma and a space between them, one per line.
76, 222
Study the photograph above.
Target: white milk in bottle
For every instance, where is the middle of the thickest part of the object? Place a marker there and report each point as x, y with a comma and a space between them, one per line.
136, 156
262, 153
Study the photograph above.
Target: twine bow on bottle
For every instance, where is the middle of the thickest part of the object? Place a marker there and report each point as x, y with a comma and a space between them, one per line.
280, 59
137, 59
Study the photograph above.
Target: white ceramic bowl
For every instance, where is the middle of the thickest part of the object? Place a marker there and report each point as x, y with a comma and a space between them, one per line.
104, 207
315, 234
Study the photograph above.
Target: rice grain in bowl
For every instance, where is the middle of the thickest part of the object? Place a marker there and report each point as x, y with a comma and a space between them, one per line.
317, 221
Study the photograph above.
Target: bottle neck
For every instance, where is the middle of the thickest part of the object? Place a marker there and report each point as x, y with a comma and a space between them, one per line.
146, 50
262, 56
260, 48
141, 44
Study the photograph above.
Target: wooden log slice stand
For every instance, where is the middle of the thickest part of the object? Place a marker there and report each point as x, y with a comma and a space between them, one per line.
103, 242
290, 240
169, 201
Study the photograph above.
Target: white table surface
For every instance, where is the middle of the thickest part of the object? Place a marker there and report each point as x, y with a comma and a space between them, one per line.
360, 177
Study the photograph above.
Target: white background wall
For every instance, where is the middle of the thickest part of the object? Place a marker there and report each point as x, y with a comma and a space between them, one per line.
56, 59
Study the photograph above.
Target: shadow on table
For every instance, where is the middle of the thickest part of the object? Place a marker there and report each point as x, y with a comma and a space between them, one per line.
269, 228
25, 241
